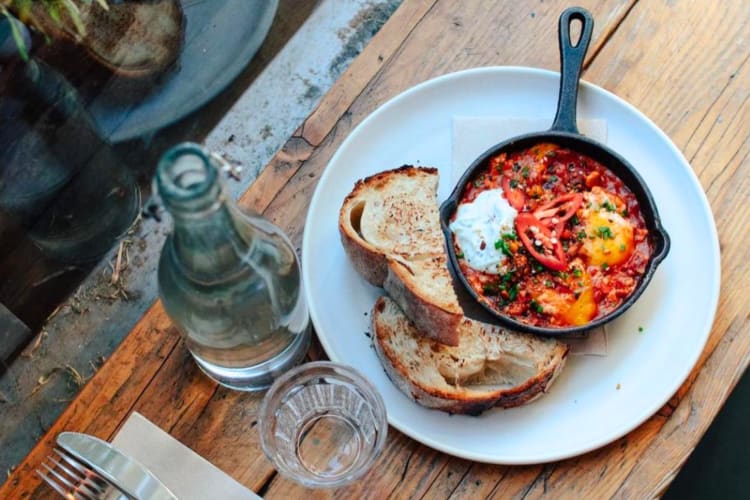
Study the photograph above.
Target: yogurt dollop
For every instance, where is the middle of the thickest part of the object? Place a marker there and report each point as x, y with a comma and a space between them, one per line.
481, 223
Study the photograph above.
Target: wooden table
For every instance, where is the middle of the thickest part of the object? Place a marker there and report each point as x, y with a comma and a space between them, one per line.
683, 63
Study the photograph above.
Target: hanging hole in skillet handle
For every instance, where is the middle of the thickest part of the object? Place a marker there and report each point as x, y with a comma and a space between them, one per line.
571, 61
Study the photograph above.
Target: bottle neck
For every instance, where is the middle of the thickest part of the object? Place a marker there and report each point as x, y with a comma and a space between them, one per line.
211, 240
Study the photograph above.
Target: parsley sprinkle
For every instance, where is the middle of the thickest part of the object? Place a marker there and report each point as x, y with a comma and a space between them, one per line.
605, 233
624, 212
460, 255
574, 220
640, 329
525, 172
622, 247
513, 184
581, 235
510, 236
610, 207
605, 266
516, 166
502, 245
549, 284
513, 292
553, 179
536, 306
577, 272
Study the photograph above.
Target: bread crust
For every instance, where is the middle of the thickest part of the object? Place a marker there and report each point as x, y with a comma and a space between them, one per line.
456, 399
435, 322
391, 269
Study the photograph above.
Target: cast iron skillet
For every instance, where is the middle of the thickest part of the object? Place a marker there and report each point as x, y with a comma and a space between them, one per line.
564, 133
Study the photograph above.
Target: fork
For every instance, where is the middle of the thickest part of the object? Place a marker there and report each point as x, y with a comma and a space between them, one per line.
73, 479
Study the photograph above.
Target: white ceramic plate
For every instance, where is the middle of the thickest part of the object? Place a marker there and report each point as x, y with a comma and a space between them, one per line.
596, 399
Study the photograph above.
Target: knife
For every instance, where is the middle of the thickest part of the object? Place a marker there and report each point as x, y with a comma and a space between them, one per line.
122, 471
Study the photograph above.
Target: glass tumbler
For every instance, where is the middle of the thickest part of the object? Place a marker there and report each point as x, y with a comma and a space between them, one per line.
322, 424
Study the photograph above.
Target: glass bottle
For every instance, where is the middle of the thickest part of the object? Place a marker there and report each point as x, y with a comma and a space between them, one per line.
230, 281
60, 178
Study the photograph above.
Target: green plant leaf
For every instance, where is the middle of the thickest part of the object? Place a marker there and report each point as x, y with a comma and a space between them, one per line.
16, 34
75, 16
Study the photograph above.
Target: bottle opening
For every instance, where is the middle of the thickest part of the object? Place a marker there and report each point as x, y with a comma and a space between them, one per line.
187, 179
188, 172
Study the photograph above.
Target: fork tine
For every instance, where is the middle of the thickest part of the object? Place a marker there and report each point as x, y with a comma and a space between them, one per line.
85, 485
86, 474
52, 484
57, 480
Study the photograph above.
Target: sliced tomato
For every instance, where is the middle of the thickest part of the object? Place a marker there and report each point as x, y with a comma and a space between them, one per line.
515, 196
549, 252
561, 208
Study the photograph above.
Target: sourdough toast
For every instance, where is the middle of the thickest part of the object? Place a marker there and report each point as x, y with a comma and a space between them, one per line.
490, 367
390, 229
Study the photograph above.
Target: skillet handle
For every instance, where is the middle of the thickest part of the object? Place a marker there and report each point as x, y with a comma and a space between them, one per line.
571, 60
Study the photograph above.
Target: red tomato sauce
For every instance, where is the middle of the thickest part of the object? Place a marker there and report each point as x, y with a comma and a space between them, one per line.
580, 244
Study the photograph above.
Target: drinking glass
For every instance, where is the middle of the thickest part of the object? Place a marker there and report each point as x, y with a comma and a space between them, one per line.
322, 424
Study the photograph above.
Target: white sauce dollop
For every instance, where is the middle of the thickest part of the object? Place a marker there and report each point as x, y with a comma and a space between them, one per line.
480, 224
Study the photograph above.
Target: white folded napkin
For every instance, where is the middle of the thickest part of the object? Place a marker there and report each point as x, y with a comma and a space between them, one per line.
188, 475
472, 136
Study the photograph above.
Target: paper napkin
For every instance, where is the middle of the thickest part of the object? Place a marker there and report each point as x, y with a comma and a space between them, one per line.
188, 475
472, 136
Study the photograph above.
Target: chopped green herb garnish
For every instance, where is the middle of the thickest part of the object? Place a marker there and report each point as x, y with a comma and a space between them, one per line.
640, 329
549, 283
608, 206
574, 220
513, 184
605, 266
605, 233
577, 272
536, 306
581, 235
516, 166
622, 247
625, 212
502, 245
513, 292
525, 172
510, 236
460, 255
553, 179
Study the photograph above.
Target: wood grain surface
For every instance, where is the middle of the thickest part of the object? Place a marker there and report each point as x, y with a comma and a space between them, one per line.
683, 63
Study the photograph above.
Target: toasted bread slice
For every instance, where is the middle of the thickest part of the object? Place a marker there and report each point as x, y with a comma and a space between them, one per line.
390, 229
131, 39
489, 367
